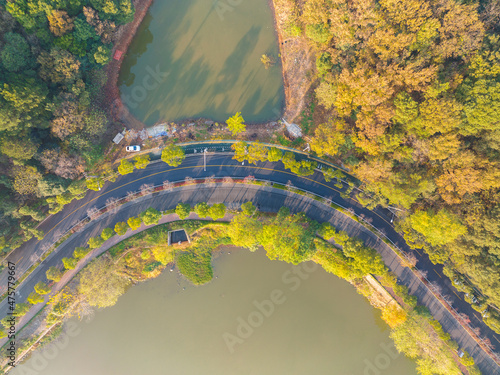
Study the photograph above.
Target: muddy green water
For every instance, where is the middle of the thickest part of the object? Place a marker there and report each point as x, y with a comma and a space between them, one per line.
296, 320
201, 58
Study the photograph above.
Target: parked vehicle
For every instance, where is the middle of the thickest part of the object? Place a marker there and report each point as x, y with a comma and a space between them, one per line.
133, 148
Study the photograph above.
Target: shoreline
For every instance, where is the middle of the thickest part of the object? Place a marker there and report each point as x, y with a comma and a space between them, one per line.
125, 35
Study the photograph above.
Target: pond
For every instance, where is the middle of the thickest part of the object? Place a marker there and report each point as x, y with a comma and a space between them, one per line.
198, 58
256, 317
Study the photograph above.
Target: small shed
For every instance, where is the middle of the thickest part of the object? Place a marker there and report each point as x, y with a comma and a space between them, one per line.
293, 129
118, 55
118, 138
177, 237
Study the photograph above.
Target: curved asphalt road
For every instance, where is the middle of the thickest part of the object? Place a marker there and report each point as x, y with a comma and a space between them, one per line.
268, 198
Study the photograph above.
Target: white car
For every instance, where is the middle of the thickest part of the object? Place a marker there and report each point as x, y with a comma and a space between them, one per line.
133, 148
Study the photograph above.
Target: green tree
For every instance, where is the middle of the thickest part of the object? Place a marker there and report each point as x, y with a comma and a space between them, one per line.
34, 298
151, 216
183, 210
142, 161
102, 55
125, 167
173, 155
21, 309
53, 273
95, 242
248, 208
34, 212
202, 209
83, 31
134, 222
438, 228
101, 287
59, 22
319, 33
289, 237
327, 231
324, 63
26, 180
80, 252
163, 254
217, 211
274, 154
42, 288
244, 231
16, 53
256, 152
59, 66
69, 263
240, 151
121, 228
94, 183
236, 123
107, 233
26, 95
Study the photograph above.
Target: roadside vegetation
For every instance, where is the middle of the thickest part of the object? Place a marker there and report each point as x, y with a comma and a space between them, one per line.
407, 98
293, 238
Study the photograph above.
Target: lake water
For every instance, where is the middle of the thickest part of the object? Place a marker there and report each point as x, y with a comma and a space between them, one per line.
257, 317
200, 58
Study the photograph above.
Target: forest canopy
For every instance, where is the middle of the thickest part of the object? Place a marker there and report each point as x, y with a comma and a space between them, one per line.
409, 95
52, 117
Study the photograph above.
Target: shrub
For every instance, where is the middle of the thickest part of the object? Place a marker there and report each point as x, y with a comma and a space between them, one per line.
107, 233
53, 273
162, 254
95, 242
173, 155
35, 298
121, 228
217, 211
318, 33
134, 222
21, 309
42, 288
145, 254
125, 167
196, 267
183, 210
142, 161
80, 252
202, 209
274, 154
69, 263
151, 216
327, 231
248, 208
150, 267
94, 183
393, 315
467, 359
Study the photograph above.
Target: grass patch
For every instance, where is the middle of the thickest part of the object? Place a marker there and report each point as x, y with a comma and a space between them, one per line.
196, 266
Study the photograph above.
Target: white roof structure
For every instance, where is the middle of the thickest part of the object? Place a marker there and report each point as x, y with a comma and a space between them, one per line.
294, 130
118, 138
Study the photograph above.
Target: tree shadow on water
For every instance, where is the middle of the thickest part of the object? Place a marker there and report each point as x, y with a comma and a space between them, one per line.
233, 65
